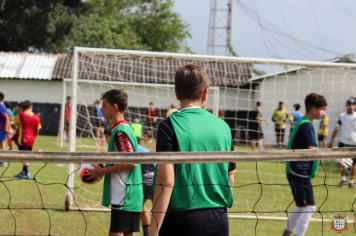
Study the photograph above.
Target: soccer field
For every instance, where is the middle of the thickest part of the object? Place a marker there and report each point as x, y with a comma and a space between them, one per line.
26, 195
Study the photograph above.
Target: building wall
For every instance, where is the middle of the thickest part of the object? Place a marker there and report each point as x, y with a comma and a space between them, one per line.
336, 85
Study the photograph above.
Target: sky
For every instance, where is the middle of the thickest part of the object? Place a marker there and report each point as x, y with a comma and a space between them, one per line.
314, 30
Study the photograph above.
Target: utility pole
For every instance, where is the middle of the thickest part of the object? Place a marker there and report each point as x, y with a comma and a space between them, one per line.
219, 27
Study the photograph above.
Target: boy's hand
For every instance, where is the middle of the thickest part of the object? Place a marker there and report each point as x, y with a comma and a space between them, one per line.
94, 173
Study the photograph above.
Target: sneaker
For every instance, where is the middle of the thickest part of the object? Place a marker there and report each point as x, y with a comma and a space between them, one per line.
19, 174
342, 184
2, 164
24, 176
352, 186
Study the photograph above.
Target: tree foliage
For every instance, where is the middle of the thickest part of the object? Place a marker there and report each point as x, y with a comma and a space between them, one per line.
59, 25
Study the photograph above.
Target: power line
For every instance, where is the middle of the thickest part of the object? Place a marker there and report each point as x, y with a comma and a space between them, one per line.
317, 26
345, 10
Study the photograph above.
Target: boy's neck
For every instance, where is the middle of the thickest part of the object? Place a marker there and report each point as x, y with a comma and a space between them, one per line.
117, 117
187, 103
309, 116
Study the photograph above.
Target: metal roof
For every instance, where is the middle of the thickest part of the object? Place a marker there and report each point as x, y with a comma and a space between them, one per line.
27, 65
149, 70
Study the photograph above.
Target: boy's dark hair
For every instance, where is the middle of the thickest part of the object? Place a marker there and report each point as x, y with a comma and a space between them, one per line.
68, 97
7, 104
314, 100
258, 103
2, 96
20, 105
297, 106
151, 103
26, 104
107, 131
191, 81
280, 103
116, 96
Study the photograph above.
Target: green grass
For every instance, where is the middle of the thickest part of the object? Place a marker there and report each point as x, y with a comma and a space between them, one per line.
247, 191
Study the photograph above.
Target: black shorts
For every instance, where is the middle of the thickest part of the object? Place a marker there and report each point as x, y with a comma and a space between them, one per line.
280, 132
147, 191
66, 124
124, 221
321, 138
302, 190
346, 145
255, 134
22, 148
204, 222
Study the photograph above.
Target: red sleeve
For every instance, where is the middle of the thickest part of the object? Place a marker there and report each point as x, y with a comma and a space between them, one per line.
123, 143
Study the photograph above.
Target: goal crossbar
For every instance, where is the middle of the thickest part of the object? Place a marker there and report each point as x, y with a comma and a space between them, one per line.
178, 157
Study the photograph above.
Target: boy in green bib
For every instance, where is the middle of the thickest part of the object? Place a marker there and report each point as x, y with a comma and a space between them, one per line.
123, 182
299, 173
192, 199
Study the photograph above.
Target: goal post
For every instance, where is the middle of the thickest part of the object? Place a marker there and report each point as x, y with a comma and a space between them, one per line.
148, 77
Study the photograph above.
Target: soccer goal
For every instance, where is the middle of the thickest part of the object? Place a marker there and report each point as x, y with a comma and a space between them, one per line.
237, 85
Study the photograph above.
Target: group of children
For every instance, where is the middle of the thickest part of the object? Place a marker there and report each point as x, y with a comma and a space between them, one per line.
187, 199
22, 129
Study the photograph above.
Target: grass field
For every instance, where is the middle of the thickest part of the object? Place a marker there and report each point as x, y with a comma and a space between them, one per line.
49, 189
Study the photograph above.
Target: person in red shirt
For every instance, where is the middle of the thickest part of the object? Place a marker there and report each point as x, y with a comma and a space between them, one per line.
29, 126
66, 119
151, 118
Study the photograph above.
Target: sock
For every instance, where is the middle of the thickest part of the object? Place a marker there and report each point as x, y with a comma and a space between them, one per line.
351, 181
146, 230
104, 137
343, 178
303, 221
27, 170
23, 169
293, 218
65, 137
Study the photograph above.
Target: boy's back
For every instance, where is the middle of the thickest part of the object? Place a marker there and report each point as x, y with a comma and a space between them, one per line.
30, 123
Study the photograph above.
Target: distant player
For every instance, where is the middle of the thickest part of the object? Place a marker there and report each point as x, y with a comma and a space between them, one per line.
4, 125
300, 173
151, 113
346, 126
11, 117
294, 117
173, 109
192, 199
254, 127
279, 117
120, 179
323, 131
67, 110
137, 129
29, 126
99, 124
17, 124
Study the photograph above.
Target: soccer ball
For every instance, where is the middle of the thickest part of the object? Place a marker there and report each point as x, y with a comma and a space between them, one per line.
83, 169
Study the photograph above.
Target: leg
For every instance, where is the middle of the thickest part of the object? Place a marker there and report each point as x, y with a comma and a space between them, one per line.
260, 144
303, 221
116, 234
3, 145
282, 141
292, 221
277, 141
145, 219
253, 144
352, 171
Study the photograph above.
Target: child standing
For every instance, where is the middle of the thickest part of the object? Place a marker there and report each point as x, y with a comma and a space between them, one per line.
29, 126
123, 182
299, 173
192, 199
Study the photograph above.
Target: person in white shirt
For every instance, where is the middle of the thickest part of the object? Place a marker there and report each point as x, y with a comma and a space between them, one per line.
346, 127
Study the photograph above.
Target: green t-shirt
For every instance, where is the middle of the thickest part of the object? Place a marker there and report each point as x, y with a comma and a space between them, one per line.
137, 129
134, 189
199, 186
10, 112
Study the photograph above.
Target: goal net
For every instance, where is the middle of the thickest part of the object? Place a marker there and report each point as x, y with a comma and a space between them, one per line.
236, 88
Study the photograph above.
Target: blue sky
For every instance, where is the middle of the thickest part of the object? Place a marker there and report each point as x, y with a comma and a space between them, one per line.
325, 24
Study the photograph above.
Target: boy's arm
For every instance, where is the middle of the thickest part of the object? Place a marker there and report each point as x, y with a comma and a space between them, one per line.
162, 195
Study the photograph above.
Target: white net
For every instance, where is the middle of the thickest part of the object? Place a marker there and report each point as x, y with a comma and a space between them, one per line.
233, 97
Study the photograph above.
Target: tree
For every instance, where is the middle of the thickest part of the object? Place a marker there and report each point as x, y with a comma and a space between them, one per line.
37, 25
139, 25
57, 26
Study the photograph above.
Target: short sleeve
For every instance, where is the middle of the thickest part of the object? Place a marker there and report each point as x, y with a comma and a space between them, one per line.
326, 120
3, 111
166, 138
308, 133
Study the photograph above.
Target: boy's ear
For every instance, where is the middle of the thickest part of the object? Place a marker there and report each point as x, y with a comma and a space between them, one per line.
177, 95
116, 107
205, 95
